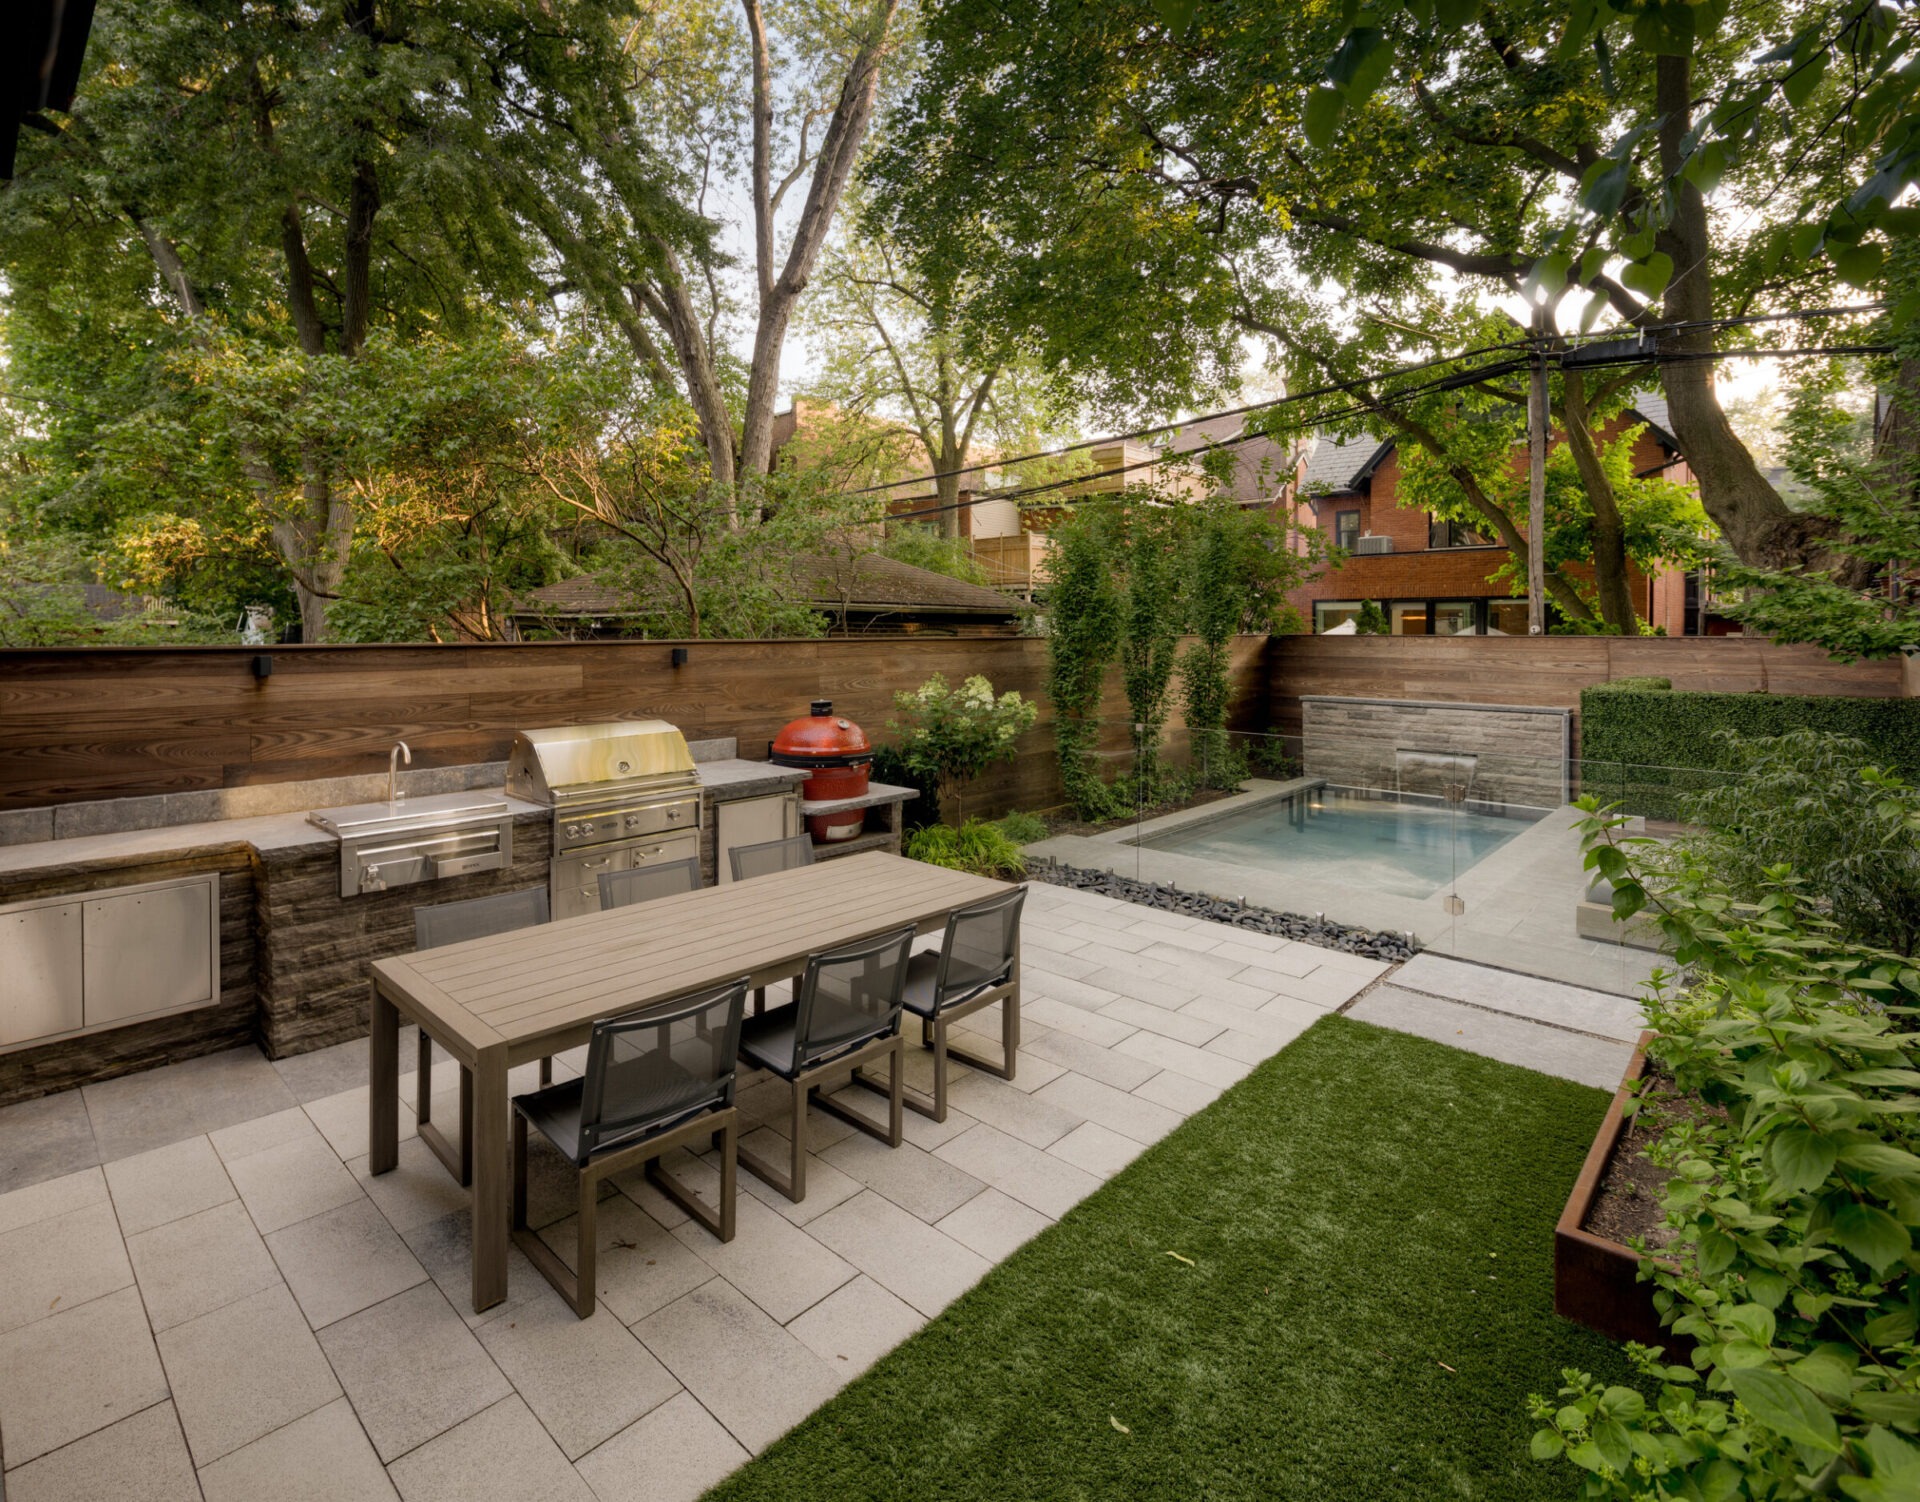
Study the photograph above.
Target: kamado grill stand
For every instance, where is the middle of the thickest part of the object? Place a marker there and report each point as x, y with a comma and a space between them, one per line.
837, 753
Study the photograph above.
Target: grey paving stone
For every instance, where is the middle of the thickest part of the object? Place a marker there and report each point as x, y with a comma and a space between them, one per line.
325, 1071
1179, 1093
1019, 1170
322, 1457
292, 1182
1575, 1007
674, 1454
772, 1261
60, 1262
244, 1371
1184, 1058
75, 1372
140, 1459
994, 1225
47, 1138
1142, 1120
168, 1183
855, 1326
204, 1262
999, 1105
584, 1379
640, 1266
902, 1253
1498, 1035
343, 1260
911, 1177
1099, 1150
412, 1369
51, 1197
417, 1191
751, 1375
501, 1455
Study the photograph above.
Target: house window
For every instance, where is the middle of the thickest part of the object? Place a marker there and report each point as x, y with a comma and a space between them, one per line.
1346, 528
1453, 618
1506, 617
1330, 613
1410, 618
1446, 534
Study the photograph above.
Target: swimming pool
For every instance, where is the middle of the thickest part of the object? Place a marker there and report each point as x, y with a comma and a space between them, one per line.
1409, 849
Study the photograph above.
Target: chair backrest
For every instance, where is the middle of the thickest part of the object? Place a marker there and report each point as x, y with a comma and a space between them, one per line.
453, 922
649, 1072
850, 996
978, 951
644, 883
773, 855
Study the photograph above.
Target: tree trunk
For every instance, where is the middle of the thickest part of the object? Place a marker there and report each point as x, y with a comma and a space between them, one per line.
839, 150
1758, 525
1609, 531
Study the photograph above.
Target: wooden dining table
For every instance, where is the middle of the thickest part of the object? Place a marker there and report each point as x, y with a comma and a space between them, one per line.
501, 1001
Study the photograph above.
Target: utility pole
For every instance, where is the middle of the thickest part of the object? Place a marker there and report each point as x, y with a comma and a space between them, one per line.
1537, 485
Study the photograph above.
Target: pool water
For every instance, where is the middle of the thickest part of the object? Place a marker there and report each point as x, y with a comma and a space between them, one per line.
1408, 849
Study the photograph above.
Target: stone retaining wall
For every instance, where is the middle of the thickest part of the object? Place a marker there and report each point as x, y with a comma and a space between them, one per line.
1520, 754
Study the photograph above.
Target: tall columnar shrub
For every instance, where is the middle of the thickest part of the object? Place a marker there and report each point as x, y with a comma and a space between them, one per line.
1084, 627
1151, 580
1217, 597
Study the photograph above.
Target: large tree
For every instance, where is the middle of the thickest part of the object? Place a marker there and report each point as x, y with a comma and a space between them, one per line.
673, 111
249, 187
1138, 191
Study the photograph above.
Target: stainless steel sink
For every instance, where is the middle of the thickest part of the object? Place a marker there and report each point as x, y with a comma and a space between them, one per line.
385, 845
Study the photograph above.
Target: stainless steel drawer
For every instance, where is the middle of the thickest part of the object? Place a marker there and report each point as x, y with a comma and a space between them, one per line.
40, 956
574, 880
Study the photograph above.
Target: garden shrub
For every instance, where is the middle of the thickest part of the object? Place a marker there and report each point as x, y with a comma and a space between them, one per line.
1648, 749
952, 735
1631, 685
1794, 1204
977, 846
1022, 829
890, 766
1803, 800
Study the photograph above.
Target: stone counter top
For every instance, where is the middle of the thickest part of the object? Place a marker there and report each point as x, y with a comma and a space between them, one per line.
265, 833
731, 778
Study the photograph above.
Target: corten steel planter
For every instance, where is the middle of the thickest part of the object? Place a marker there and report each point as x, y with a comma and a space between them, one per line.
1596, 1282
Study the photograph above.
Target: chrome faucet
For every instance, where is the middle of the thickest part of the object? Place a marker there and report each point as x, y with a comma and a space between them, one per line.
400, 749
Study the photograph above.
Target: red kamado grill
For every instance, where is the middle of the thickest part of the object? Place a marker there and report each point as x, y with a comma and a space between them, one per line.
836, 752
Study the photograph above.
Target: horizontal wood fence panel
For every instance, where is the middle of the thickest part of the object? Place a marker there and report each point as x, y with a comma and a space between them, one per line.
111, 722
1550, 670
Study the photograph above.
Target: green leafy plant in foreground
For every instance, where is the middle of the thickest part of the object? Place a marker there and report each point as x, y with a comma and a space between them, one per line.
1793, 1199
978, 846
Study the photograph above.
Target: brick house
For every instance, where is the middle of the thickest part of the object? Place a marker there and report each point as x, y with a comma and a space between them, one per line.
1434, 578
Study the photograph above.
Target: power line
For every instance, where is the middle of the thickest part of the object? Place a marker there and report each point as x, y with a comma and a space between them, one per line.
1452, 380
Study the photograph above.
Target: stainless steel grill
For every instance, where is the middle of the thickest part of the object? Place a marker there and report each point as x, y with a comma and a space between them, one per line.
623, 793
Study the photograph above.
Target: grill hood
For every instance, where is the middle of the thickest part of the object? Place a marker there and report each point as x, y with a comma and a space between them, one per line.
576, 761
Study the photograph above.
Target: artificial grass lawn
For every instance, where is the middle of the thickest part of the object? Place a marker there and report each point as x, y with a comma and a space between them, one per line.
1363, 1208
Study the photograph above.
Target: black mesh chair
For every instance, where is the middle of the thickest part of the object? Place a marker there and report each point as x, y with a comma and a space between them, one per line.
977, 964
454, 923
845, 1014
749, 861
668, 879
655, 1081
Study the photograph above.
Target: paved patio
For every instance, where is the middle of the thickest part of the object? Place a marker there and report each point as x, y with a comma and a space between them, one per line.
204, 1295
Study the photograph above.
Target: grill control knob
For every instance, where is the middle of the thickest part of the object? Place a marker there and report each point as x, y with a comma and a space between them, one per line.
573, 831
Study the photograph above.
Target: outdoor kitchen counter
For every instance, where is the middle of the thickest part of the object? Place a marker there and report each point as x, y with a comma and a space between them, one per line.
266, 834
730, 778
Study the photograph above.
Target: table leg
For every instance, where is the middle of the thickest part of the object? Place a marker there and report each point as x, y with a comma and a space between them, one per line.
383, 1079
490, 1177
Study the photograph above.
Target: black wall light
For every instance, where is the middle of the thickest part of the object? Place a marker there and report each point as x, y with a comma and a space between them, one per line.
679, 657
263, 666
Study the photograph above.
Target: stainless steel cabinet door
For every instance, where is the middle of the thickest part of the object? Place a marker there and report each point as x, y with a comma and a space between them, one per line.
149, 950
752, 821
40, 960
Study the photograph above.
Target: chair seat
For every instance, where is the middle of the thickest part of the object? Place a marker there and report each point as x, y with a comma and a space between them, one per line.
766, 1042
555, 1113
919, 995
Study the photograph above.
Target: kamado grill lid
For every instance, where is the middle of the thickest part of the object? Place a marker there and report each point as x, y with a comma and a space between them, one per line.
568, 760
821, 739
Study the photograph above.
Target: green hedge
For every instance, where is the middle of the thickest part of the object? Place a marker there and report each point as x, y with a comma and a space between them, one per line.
1650, 747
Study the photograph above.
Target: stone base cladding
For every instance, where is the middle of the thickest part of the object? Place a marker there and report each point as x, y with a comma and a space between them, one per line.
1520, 754
315, 945
40, 1070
